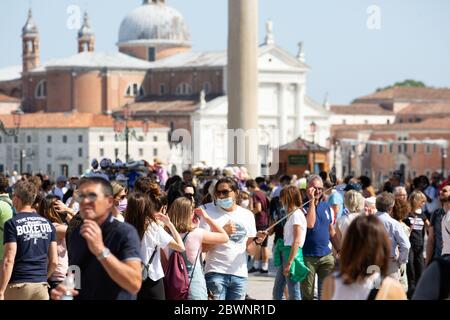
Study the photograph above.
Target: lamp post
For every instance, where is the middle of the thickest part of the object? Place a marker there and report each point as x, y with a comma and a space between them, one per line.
443, 158
127, 133
313, 128
17, 117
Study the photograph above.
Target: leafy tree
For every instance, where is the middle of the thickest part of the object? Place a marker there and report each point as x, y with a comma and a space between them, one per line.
405, 83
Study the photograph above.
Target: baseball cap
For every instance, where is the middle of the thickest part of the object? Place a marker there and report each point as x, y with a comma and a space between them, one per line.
352, 186
61, 179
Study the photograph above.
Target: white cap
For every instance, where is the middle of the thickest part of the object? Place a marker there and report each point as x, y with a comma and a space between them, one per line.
370, 201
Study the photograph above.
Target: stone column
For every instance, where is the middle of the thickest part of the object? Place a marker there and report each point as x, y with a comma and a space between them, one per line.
243, 81
299, 109
282, 120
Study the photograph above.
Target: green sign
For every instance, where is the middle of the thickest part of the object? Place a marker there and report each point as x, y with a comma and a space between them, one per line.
298, 159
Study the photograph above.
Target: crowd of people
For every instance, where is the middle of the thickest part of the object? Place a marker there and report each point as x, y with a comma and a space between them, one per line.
179, 237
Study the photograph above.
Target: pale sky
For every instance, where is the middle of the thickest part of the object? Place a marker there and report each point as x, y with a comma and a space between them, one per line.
348, 58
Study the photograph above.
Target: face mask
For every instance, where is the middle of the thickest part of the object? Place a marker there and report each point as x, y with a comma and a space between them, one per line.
122, 205
245, 203
226, 203
418, 211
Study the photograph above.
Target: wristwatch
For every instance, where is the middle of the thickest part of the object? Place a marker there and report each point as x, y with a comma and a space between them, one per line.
105, 253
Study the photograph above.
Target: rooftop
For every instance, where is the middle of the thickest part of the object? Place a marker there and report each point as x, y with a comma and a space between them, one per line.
302, 145
409, 93
426, 109
68, 120
360, 108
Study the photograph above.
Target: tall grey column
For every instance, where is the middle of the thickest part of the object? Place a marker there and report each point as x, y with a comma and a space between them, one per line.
243, 81
282, 123
299, 109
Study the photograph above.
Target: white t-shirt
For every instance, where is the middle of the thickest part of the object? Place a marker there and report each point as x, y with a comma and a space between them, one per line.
446, 233
297, 218
231, 257
154, 236
345, 220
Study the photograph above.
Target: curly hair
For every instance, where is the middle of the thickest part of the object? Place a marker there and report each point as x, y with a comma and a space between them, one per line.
401, 209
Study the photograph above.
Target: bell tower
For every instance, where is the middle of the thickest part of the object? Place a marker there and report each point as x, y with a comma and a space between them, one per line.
86, 37
30, 44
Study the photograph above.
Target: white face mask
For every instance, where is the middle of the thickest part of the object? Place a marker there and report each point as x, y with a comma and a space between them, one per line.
245, 203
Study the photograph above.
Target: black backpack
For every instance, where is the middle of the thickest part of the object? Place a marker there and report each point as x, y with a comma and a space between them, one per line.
444, 271
276, 213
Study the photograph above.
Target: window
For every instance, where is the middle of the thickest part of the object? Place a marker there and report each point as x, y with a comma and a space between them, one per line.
102, 152
428, 148
162, 89
134, 90
80, 138
16, 139
116, 152
414, 148
343, 121
16, 167
80, 152
155, 152
380, 148
49, 139
49, 152
49, 169
0, 139
64, 139
151, 54
101, 138
391, 148
29, 168
184, 89
366, 148
80, 169
388, 121
28, 139
141, 152
41, 89
155, 138
206, 87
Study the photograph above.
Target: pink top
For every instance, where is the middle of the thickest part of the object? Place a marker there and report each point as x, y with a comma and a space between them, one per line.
193, 244
63, 260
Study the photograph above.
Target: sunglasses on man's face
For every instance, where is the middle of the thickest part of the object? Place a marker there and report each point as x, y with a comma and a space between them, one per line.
225, 193
91, 196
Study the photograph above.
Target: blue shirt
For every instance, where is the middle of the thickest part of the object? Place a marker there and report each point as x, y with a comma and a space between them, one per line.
336, 199
397, 237
318, 238
123, 241
33, 235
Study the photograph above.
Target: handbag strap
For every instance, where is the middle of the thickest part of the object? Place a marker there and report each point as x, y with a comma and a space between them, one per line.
193, 269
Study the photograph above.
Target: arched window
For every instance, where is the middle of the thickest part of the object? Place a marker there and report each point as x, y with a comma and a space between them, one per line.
134, 90
41, 89
184, 89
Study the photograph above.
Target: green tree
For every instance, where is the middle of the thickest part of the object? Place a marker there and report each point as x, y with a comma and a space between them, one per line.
405, 83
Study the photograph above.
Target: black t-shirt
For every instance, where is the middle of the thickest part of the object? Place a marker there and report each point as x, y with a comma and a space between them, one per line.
417, 224
436, 223
123, 241
33, 235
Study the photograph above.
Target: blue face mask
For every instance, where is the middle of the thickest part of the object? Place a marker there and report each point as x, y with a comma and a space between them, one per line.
226, 203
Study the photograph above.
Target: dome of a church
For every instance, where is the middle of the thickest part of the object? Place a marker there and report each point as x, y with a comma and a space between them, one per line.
154, 22
30, 27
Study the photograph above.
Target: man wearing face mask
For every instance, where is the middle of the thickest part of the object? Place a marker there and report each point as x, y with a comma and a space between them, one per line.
226, 264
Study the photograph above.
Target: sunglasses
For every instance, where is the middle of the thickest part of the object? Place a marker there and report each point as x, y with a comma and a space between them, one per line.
189, 195
225, 193
91, 196
123, 197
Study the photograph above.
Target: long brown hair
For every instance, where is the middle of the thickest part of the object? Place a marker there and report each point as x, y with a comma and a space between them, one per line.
47, 209
180, 214
140, 212
366, 244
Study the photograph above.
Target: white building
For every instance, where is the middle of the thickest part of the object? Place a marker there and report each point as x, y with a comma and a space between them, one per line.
65, 143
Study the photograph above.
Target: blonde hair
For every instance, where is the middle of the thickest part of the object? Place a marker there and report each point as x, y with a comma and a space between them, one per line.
415, 198
354, 201
180, 214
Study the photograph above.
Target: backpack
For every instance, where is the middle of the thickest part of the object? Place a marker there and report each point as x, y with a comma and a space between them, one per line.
276, 213
8, 201
176, 278
444, 270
